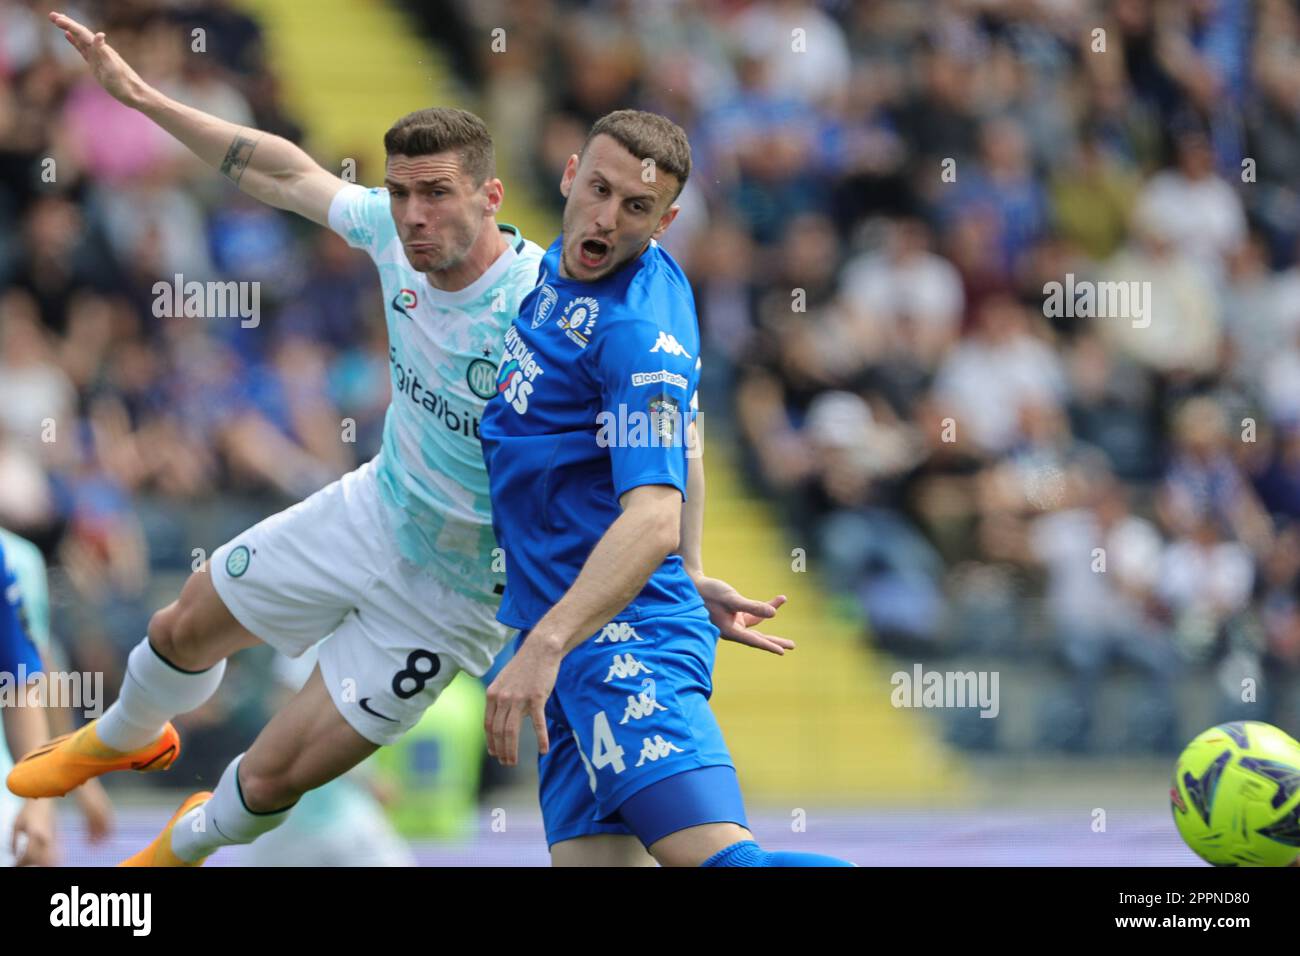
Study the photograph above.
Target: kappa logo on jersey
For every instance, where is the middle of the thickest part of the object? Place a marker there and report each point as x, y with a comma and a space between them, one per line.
625, 665
656, 749
518, 372
616, 632
405, 299
579, 319
669, 344
546, 300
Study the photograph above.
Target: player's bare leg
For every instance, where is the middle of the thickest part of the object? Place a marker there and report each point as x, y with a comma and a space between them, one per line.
307, 744
173, 671
197, 630
601, 849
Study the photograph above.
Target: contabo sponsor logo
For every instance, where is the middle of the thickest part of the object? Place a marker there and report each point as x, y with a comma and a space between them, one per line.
208, 300
77, 690
519, 370
655, 378
407, 382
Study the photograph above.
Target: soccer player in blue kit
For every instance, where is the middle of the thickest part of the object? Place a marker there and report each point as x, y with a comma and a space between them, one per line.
587, 446
25, 726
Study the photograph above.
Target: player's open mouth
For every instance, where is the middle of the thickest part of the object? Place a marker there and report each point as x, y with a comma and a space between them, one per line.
592, 252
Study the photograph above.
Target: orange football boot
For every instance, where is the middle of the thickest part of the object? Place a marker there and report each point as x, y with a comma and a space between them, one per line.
160, 852
66, 762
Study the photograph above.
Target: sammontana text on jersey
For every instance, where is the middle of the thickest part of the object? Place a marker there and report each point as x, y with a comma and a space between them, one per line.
596, 385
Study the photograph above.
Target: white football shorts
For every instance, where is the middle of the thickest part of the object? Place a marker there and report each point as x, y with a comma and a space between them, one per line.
330, 566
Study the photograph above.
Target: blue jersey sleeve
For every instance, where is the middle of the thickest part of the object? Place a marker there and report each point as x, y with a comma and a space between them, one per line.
16, 647
647, 383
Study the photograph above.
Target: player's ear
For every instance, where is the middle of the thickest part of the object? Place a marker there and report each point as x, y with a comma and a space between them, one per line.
495, 190
666, 220
570, 174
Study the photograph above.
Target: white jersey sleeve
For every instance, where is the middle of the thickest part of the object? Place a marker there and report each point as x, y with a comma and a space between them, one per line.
363, 218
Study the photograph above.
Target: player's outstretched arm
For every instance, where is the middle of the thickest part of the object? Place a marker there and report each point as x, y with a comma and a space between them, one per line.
265, 166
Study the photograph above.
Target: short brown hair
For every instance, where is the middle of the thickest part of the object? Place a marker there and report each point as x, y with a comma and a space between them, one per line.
647, 136
442, 128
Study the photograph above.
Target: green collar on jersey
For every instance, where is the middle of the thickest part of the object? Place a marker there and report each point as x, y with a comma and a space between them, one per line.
519, 236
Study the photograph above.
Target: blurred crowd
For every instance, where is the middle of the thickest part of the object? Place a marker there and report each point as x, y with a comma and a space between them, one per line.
126, 433
884, 193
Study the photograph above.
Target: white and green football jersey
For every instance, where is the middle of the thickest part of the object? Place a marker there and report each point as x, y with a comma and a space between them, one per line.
444, 348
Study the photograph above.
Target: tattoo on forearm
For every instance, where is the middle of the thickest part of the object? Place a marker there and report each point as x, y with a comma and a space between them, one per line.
238, 156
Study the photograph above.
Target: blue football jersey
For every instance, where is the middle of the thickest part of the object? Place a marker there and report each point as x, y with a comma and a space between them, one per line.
596, 385
16, 647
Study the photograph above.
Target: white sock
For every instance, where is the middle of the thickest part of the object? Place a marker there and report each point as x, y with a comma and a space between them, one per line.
153, 692
222, 821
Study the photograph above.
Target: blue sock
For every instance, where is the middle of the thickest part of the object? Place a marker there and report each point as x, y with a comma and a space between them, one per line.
749, 853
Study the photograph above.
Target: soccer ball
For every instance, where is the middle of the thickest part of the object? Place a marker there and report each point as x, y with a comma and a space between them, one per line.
1236, 795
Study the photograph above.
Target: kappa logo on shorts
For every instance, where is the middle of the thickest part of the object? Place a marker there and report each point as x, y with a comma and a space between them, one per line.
625, 665
616, 632
642, 705
657, 749
237, 561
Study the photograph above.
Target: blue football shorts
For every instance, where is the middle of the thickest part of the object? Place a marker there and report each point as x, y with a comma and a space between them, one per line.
631, 709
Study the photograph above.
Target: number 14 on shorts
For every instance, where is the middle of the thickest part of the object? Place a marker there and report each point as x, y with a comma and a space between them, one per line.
606, 751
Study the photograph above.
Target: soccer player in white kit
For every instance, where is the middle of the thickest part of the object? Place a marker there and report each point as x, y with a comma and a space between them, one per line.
394, 561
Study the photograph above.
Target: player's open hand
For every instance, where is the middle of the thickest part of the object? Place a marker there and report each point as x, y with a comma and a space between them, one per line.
33, 834
521, 688
735, 615
111, 72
